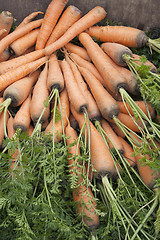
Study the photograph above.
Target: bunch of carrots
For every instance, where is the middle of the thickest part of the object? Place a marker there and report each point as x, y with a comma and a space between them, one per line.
84, 96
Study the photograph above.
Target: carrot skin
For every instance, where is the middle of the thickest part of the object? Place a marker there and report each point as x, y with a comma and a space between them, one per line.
105, 102
6, 41
74, 93
14, 75
6, 21
58, 128
128, 36
40, 94
19, 90
6, 66
55, 77
112, 136
19, 46
100, 155
93, 111
67, 19
116, 51
50, 19
80, 51
113, 79
82, 195
92, 17
128, 152
22, 117
2, 126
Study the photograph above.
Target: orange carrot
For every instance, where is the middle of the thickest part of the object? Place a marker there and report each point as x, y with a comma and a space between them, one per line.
40, 94
30, 130
28, 19
14, 75
80, 51
5, 55
128, 36
68, 18
14, 157
74, 93
2, 126
22, 117
100, 155
112, 137
93, 111
117, 130
113, 79
11, 37
132, 84
92, 17
147, 63
128, 152
83, 63
2, 32
116, 52
82, 195
131, 122
145, 107
19, 46
105, 102
6, 20
61, 124
50, 19
55, 77
19, 90
73, 122
6, 66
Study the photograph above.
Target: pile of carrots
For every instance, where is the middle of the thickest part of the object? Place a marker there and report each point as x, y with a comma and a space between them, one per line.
81, 93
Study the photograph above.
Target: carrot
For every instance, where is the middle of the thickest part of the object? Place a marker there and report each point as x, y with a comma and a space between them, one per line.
147, 63
50, 19
22, 117
82, 195
132, 84
19, 90
61, 124
93, 111
67, 19
28, 19
13, 161
39, 96
2, 125
5, 55
128, 152
147, 174
2, 32
14, 75
55, 77
30, 130
116, 52
19, 46
84, 63
80, 51
105, 102
92, 17
74, 93
6, 66
73, 122
112, 137
117, 130
11, 37
131, 122
100, 155
6, 21
113, 79
145, 107
128, 36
